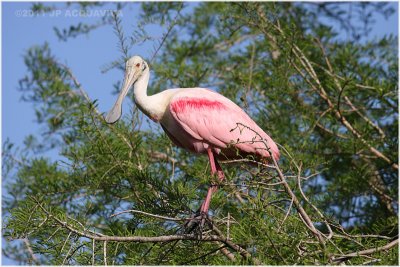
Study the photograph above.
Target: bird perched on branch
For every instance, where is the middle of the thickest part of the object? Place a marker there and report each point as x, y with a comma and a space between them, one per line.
197, 119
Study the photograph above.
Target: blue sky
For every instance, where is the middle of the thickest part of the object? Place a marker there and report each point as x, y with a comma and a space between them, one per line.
85, 55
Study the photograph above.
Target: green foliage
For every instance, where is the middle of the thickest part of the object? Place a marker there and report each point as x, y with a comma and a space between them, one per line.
328, 102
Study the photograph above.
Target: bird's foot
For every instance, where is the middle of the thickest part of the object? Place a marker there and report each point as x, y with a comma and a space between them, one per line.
196, 223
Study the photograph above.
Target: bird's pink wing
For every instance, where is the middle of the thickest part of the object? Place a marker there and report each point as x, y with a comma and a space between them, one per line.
211, 118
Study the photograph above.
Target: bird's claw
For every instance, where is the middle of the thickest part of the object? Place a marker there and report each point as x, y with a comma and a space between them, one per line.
196, 223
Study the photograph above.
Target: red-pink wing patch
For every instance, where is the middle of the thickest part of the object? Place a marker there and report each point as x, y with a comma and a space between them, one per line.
182, 104
210, 120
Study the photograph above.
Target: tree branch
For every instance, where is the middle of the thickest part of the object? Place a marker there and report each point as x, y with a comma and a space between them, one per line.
303, 214
244, 253
319, 88
370, 251
170, 27
30, 251
348, 101
150, 215
139, 239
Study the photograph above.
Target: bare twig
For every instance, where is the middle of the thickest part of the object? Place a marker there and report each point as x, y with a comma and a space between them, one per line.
115, 254
298, 206
65, 242
120, 34
253, 52
371, 261
30, 251
105, 252
68, 253
228, 225
388, 246
244, 253
170, 27
286, 215
93, 250
245, 160
312, 205
360, 235
226, 44
227, 254
320, 126
77, 84
157, 155
148, 214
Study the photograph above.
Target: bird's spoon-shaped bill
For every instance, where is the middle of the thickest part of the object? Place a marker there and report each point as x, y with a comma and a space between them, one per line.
115, 113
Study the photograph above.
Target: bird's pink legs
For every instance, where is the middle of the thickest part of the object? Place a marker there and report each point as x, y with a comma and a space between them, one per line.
215, 168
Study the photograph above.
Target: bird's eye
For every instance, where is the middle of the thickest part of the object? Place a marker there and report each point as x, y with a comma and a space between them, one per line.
137, 65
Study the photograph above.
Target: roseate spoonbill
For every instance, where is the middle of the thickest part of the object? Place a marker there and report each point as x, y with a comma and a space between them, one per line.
197, 119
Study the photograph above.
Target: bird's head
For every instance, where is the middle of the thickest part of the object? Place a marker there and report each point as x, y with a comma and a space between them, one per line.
134, 68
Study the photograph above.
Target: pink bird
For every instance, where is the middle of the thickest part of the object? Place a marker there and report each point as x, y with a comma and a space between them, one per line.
197, 119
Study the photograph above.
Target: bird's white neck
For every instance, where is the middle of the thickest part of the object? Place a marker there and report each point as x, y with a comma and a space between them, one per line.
153, 106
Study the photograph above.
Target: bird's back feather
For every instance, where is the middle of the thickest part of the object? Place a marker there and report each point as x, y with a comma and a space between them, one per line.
198, 118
